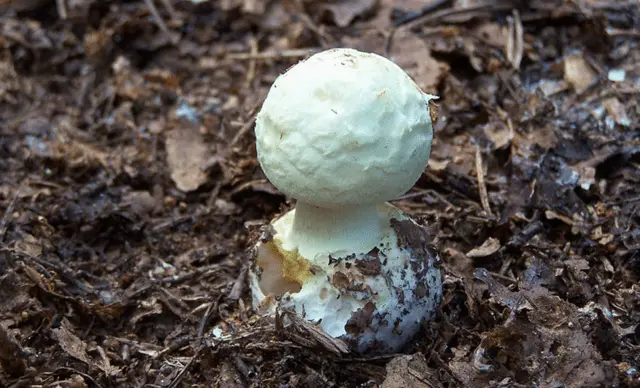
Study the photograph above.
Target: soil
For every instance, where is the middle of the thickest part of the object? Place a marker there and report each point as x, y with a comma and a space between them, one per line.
130, 191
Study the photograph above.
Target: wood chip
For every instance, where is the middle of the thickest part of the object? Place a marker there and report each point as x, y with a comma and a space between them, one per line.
186, 153
489, 247
515, 43
578, 73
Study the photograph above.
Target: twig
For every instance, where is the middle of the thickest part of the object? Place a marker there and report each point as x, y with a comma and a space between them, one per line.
62, 9
167, 4
424, 193
86, 376
482, 187
411, 16
251, 73
325, 39
248, 125
179, 343
5, 217
156, 17
503, 277
442, 15
242, 367
624, 33
515, 43
214, 194
383, 357
238, 285
213, 307
184, 370
419, 377
243, 130
273, 54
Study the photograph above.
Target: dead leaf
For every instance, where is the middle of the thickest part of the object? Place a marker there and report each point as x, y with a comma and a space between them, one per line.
228, 5
491, 34
617, 111
578, 73
21, 5
186, 153
141, 202
514, 301
410, 371
10, 81
254, 7
310, 334
514, 47
30, 245
577, 264
345, 11
550, 214
553, 87
489, 247
147, 308
77, 349
411, 53
499, 133
11, 353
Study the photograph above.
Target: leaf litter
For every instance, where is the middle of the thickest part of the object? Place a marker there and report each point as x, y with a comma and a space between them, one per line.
130, 191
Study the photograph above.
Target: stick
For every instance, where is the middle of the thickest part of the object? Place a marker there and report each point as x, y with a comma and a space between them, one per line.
482, 187
273, 54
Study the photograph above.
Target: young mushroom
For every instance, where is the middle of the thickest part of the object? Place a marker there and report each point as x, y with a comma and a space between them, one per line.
343, 132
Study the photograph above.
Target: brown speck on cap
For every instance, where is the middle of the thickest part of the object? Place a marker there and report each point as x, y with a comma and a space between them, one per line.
361, 319
370, 265
421, 290
400, 295
416, 239
433, 111
351, 284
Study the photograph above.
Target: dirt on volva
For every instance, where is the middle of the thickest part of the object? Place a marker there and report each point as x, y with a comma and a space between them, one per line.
130, 191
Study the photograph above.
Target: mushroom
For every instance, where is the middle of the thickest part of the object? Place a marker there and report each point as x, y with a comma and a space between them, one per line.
343, 132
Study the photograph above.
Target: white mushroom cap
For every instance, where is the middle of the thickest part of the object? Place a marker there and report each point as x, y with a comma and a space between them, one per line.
344, 128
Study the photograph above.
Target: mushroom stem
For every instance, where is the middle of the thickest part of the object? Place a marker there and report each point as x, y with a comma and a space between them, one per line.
353, 229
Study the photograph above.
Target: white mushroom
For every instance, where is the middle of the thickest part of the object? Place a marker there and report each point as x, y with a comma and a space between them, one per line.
342, 133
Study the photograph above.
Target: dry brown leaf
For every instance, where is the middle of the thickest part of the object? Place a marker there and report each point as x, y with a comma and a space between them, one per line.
499, 133
21, 5
10, 82
312, 334
345, 11
491, 34
30, 245
616, 110
410, 371
412, 54
578, 73
77, 349
514, 47
186, 153
11, 353
228, 5
489, 247
254, 7
71, 344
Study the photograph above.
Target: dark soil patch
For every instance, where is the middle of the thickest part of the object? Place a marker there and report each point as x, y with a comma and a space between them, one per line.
129, 189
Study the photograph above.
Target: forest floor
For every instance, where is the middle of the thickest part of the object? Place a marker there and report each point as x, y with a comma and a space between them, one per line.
129, 187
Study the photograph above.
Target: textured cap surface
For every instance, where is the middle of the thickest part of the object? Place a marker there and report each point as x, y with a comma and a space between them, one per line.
343, 128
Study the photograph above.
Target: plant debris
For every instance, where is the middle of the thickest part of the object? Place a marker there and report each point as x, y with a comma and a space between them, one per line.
130, 190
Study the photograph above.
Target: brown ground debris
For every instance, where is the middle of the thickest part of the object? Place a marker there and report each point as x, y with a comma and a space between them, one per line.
129, 187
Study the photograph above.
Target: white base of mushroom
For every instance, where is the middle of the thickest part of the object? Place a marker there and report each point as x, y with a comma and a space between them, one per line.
374, 300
